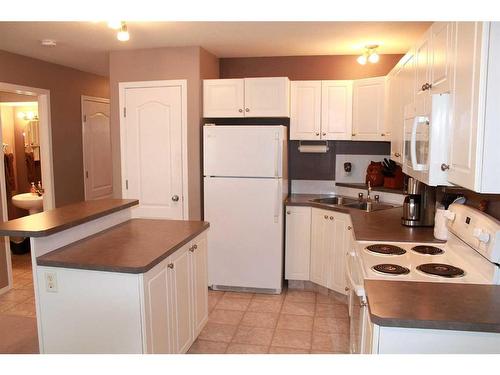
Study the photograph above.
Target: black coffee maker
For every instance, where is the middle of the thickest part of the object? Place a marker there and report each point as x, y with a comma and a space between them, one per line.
419, 206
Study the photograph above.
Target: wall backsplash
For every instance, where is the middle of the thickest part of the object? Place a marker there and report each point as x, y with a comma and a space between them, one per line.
304, 166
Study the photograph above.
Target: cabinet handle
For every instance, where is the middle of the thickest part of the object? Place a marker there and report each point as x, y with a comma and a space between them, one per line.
175, 198
288, 212
170, 265
247, 109
331, 217
326, 216
397, 154
240, 110
353, 134
317, 134
445, 167
191, 249
349, 227
363, 304
382, 134
346, 289
324, 134
195, 246
424, 87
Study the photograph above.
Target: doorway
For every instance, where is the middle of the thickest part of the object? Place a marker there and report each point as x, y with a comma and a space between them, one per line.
97, 157
26, 144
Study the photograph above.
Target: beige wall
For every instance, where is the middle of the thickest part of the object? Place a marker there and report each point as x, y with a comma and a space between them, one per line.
164, 64
306, 67
66, 86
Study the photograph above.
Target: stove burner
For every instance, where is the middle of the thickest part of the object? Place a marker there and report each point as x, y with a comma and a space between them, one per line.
439, 269
386, 249
391, 269
427, 250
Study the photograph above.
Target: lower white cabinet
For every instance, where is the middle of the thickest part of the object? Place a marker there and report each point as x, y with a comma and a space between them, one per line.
297, 243
316, 241
176, 299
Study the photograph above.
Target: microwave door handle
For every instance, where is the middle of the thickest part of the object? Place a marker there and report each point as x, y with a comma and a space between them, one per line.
413, 144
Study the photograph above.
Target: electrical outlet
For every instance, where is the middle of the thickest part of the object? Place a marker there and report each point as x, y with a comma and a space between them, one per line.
50, 282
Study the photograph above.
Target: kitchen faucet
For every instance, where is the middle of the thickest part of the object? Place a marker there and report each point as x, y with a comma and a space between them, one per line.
368, 198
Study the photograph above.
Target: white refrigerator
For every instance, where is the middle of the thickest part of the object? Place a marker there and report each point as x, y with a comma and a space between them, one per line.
245, 185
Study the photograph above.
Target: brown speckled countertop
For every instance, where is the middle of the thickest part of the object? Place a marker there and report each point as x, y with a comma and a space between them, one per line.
383, 225
450, 306
56, 220
135, 246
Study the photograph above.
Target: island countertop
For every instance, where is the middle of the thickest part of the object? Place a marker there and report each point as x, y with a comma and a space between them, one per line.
383, 225
134, 246
449, 306
65, 217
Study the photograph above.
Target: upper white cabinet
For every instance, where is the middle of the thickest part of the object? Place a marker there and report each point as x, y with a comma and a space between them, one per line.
475, 135
321, 110
246, 97
305, 116
442, 57
298, 243
336, 109
368, 110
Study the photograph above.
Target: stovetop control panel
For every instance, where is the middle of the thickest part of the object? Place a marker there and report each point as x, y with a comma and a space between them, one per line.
477, 229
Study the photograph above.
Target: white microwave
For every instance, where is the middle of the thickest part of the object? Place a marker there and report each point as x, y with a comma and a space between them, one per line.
426, 142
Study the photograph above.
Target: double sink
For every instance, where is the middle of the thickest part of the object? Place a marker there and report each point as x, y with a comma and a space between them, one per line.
360, 204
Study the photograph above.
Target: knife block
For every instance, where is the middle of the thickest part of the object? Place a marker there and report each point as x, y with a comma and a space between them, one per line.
395, 182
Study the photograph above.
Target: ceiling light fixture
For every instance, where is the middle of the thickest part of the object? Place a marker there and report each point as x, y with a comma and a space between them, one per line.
370, 54
115, 25
123, 34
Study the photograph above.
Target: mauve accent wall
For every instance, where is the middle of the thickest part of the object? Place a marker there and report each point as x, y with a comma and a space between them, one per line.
66, 86
306, 67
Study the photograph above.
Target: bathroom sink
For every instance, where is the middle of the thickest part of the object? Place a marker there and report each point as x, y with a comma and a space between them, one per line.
28, 201
374, 207
336, 200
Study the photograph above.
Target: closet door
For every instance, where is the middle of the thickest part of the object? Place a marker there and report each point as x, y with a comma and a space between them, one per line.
97, 159
151, 132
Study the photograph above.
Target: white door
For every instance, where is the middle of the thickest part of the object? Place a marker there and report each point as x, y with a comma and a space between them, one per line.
199, 265
321, 239
152, 165
267, 97
245, 241
157, 306
337, 255
368, 109
180, 278
441, 59
243, 151
97, 158
464, 129
336, 110
298, 243
223, 98
305, 119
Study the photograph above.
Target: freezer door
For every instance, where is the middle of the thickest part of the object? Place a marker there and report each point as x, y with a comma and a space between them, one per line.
244, 151
245, 241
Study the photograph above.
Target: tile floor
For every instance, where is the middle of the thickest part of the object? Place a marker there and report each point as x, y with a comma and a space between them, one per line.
20, 300
294, 322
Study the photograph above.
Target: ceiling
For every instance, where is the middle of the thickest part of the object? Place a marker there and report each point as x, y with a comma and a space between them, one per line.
85, 45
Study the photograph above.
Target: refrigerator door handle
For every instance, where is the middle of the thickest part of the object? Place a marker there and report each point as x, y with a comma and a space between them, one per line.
277, 154
277, 203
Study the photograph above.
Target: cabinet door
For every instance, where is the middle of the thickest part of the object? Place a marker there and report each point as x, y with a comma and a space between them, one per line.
267, 97
157, 307
199, 266
179, 269
395, 114
441, 59
336, 110
305, 119
464, 129
422, 64
368, 109
338, 249
321, 239
223, 98
298, 243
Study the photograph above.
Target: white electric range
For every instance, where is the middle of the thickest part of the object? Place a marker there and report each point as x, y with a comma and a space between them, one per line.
471, 255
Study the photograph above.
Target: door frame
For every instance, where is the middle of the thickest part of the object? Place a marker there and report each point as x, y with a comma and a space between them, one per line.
47, 170
98, 100
122, 86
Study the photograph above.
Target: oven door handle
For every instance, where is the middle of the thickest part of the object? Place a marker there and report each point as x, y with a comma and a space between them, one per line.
358, 289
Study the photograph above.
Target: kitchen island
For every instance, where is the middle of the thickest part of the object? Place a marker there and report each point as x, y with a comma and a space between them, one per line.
106, 282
